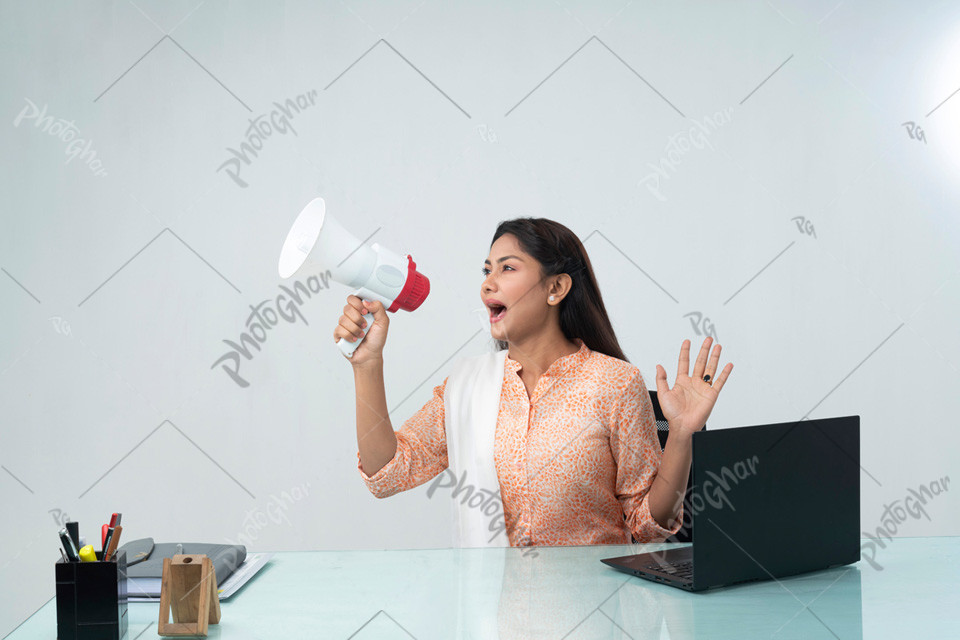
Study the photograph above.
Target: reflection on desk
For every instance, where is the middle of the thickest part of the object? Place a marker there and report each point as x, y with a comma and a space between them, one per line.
566, 592
560, 597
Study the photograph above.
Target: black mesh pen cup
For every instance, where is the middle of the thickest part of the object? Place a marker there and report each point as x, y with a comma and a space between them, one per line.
92, 599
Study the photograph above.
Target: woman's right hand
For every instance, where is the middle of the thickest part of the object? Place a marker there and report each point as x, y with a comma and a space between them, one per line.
350, 328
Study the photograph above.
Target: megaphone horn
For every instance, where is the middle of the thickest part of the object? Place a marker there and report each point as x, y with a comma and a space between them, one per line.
318, 242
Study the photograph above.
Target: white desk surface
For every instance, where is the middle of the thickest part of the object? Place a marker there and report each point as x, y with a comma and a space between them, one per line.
565, 592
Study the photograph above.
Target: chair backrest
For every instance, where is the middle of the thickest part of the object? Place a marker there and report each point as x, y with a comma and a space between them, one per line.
663, 430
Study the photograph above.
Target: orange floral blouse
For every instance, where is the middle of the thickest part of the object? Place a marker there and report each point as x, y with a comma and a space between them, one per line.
572, 459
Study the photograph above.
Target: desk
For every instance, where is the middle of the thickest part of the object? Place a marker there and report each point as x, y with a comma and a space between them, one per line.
565, 592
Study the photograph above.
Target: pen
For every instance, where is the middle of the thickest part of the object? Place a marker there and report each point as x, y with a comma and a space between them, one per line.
73, 528
68, 545
114, 540
110, 534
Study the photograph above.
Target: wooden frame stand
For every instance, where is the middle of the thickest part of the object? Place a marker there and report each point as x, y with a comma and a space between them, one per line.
189, 587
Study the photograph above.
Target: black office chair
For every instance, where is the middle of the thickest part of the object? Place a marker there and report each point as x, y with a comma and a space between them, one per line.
663, 430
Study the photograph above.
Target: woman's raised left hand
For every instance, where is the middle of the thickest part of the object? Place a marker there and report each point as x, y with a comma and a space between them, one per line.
689, 403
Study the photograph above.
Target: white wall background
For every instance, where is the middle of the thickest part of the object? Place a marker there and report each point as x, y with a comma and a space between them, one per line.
811, 228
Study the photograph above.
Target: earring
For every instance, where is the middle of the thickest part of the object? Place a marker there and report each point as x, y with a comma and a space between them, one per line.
551, 298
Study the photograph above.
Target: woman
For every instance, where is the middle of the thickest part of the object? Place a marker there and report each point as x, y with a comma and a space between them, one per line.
575, 449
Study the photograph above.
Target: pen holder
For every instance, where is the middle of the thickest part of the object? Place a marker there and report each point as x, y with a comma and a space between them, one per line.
92, 599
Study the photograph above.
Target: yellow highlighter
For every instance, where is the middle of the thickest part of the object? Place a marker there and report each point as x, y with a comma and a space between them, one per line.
87, 554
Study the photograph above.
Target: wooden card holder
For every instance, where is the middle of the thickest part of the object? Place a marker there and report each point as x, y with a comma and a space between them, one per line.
189, 587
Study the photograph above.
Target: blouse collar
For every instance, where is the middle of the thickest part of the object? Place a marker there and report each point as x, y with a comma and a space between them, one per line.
561, 365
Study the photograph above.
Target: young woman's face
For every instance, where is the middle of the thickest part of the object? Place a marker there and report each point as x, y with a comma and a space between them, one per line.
512, 291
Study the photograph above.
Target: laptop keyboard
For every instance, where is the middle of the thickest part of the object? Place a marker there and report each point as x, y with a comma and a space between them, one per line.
682, 570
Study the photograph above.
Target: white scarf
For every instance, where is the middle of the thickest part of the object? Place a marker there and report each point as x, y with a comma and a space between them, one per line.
471, 402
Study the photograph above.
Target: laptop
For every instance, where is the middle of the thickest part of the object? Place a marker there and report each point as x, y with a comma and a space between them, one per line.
767, 501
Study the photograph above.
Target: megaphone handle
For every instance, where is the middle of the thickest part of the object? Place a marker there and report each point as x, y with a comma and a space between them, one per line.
349, 347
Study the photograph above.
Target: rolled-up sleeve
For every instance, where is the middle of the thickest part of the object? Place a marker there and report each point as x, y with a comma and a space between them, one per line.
637, 453
421, 451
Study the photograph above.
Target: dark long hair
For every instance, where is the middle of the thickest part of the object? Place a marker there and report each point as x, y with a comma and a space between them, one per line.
559, 250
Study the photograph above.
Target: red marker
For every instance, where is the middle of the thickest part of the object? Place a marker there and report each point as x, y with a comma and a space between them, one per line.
103, 536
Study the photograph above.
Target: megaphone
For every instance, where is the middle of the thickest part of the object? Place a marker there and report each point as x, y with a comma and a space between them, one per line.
318, 242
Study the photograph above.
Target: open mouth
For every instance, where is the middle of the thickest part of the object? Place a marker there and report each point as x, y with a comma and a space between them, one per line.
497, 311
